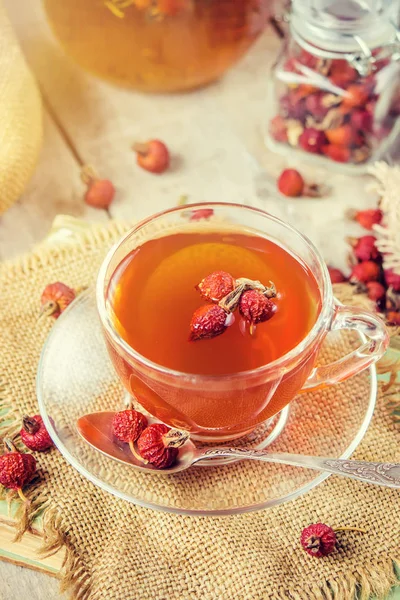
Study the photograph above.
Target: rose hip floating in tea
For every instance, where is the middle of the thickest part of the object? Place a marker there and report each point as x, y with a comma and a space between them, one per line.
335, 90
251, 297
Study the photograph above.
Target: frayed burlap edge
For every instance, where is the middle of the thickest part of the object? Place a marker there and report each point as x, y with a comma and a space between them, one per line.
75, 576
366, 582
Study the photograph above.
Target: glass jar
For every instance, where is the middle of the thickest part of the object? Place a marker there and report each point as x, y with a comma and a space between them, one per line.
334, 94
157, 45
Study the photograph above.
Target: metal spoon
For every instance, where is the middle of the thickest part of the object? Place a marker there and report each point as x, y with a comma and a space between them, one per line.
95, 428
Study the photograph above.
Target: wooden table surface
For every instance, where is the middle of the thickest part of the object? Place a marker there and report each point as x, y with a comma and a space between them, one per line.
215, 135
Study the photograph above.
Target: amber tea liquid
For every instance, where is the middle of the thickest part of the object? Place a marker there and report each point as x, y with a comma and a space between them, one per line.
152, 294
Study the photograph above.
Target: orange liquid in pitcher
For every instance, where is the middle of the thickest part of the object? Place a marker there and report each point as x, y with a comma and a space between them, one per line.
153, 296
147, 45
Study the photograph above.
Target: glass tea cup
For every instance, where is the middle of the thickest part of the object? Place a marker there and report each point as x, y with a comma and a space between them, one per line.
224, 407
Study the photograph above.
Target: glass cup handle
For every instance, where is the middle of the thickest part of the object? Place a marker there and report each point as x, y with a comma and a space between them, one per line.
373, 328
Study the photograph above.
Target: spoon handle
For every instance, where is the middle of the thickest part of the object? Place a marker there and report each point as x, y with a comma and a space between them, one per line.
386, 474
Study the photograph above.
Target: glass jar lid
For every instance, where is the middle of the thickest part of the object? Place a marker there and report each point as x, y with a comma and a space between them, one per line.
338, 25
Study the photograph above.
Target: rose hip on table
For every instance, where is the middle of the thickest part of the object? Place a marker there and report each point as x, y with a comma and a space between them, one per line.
55, 299
34, 434
16, 468
100, 192
366, 218
159, 444
366, 271
364, 248
152, 156
336, 275
320, 540
291, 183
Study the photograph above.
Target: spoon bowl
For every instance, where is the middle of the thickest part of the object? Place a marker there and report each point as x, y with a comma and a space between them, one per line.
96, 430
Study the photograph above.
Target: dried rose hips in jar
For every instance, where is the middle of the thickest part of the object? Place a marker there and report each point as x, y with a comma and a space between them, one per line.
327, 106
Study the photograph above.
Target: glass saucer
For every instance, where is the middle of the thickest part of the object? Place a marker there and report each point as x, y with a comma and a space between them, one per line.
75, 377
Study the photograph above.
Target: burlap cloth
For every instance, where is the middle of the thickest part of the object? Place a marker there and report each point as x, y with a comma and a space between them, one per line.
20, 117
118, 551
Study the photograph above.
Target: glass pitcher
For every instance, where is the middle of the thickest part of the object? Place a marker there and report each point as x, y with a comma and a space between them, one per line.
157, 45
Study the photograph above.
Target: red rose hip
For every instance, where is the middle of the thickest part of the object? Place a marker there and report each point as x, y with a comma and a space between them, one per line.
34, 434
365, 271
159, 444
207, 322
16, 468
255, 307
318, 540
336, 275
291, 183
312, 140
127, 425
216, 285
152, 156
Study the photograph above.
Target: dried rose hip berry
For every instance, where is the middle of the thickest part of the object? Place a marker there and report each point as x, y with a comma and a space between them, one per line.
55, 299
362, 120
312, 140
278, 129
318, 540
368, 217
356, 95
16, 468
315, 106
127, 425
216, 285
336, 152
336, 275
342, 73
365, 271
100, 193
364, 248
34, 434
152, 156
159, 444
208, 321
392, 279
291, 183
342, 136
375, 291
255, 307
